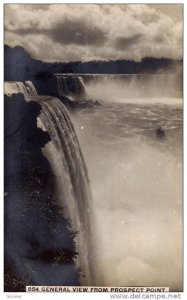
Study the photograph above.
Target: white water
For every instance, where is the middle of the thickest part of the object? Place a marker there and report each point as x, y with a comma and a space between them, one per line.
72, 184
128, 88
30, 88
65, 84
136, 181
153, 101
14, 87
72, 190
82, 88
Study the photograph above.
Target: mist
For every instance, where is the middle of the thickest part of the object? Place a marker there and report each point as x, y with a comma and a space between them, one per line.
136, 183
128, 214
136, 88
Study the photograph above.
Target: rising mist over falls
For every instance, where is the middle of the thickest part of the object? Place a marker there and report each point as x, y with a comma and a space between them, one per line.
125, 87
136, 182
98, 194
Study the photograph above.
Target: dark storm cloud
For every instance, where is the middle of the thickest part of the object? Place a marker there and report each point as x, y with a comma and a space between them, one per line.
77, 32
123, 43
66, 32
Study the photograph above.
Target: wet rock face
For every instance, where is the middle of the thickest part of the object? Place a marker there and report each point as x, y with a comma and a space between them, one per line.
39, 247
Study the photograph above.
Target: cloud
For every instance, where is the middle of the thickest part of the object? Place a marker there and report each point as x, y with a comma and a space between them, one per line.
77, 32
65, 32
68, 32
125, 43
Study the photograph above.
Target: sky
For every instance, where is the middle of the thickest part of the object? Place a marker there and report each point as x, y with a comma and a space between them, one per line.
84, 32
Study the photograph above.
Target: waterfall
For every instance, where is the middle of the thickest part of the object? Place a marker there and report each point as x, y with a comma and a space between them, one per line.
82, 89
136, 85
79, 85
30, 88
76, 85
58, 184
62, 86
21, 88
59, 86
70, 85
15, 87
72, 183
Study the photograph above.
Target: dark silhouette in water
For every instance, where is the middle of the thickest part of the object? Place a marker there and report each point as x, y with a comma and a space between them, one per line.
160, 133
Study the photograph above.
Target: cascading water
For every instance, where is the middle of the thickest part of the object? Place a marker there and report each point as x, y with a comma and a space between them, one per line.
62, 86
82, 89
11, 87
72, 191
21, 87
128, 86
14, 87
70, 84
132, 85
72, 184
76, 85
30, 88
138, 202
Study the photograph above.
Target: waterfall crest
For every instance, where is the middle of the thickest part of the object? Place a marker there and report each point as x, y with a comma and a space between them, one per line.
30, 88
71, 85
136, 85
72, 190
14, 87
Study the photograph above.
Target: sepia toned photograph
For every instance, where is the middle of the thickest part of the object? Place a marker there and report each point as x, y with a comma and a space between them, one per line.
93, 147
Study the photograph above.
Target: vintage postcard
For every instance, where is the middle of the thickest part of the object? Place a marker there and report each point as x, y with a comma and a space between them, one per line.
93, 153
